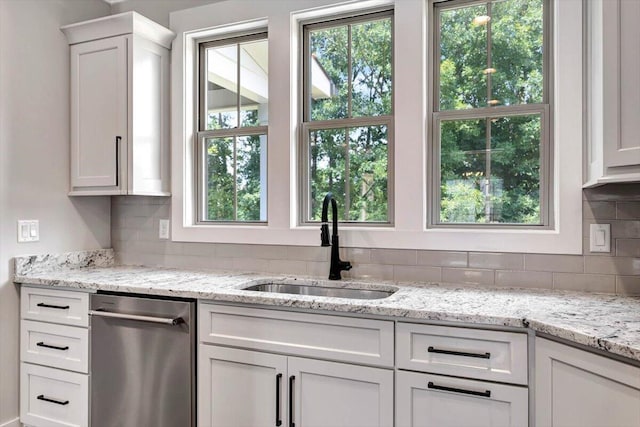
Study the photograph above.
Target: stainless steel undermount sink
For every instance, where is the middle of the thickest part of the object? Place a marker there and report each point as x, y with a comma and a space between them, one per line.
323, 291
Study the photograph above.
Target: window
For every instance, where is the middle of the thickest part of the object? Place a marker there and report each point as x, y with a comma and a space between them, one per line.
347, 136
232, 130
491, 119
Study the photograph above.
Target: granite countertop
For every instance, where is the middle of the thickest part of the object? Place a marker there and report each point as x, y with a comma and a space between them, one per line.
603, 321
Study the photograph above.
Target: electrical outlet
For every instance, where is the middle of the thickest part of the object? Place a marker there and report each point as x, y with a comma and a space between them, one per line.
163, 231
600, 238
28, 231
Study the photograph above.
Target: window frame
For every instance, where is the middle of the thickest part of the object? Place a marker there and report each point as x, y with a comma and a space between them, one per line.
435, 117
201, 133
307, 125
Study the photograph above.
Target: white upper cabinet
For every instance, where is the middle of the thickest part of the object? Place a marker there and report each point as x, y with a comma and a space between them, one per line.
613, 92
119, 106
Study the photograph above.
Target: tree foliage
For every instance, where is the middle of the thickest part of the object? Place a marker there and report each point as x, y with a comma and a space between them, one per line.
352, 162
491, 166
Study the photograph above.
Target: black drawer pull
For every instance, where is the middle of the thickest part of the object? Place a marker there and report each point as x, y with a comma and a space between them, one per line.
292, 378
55, 347
459, 353
59, 307
56, 401
486, 393
278, 381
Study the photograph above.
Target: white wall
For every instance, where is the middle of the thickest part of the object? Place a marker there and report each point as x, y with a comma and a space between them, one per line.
157, 10
34, 158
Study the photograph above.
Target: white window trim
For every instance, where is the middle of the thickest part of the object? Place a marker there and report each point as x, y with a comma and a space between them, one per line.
282, 19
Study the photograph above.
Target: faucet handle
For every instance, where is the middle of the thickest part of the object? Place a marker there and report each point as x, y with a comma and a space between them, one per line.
345, 265
324, 234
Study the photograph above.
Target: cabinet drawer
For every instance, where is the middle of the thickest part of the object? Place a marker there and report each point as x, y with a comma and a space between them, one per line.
462, 352
314, 335
424, 400
59, 346
53, 305
53, 398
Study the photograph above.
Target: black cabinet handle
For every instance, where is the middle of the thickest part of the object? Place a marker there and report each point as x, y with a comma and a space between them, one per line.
55, 347
486, 393
459, 353
118, 139
59, 307
278, 418
56, 401
292, 378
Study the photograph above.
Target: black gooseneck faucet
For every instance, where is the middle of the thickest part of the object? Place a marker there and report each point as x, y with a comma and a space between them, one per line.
336, 264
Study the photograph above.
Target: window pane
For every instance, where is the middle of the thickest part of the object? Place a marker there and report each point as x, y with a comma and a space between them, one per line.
371, 68
329, 73
356, 174
463, 58
251, 177
222, 87
219, 187
368, 165
254, 66
490, 170
327, 155
222, 69
517, 52
236, 184
491, 54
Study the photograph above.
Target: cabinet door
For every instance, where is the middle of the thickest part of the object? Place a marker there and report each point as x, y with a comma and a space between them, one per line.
238, 388
98, 112
621, 56
328, 394
424, 400
581, 389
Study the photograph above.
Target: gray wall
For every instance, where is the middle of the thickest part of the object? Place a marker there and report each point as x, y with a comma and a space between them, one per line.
158, 10
34, 158
134, 235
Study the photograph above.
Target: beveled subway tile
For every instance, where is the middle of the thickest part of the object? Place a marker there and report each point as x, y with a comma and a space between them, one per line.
280, 266
199, 249
394, 256
628, 247
250, 264
498, 261
524, 279
442, 258
355, 255
623, 266
413, 273
467, 275
371, 271
318, 269
628, 285
598, 210
308, 253
584, 282
234, 250
628, 229
555, 263
628, 210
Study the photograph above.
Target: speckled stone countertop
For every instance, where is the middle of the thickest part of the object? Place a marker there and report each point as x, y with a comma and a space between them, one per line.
603, 321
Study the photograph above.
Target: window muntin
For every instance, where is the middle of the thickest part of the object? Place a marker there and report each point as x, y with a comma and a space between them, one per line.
232, 130
347, 138
490, 123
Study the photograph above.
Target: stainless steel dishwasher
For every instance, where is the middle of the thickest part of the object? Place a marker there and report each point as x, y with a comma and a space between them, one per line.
142, 362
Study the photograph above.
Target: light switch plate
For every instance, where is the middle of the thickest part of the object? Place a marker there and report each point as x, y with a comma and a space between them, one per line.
163, 231
600, 238
28, 231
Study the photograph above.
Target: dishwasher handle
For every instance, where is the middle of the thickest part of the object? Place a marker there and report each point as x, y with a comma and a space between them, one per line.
163, 320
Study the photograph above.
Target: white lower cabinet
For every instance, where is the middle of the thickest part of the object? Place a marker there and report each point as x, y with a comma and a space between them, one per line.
424, 400
54, 356
242, 388
254, 387
575, 388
